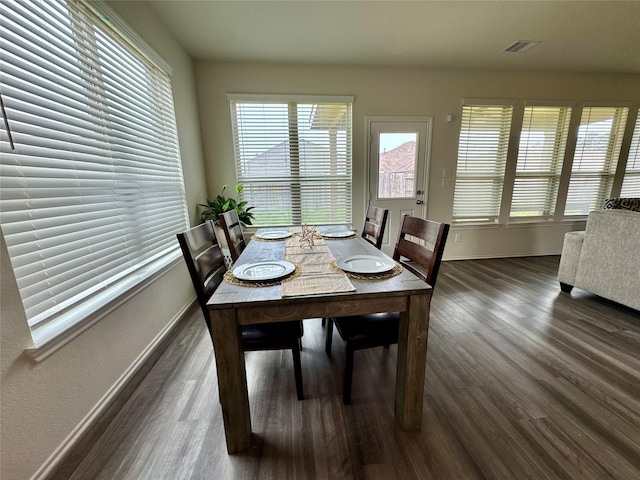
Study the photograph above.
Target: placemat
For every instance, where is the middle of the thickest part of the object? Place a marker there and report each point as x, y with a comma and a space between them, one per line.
396, 270
339, 238
313, 264
229, 277
258, 239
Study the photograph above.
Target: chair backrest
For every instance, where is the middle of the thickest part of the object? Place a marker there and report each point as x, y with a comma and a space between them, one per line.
230, 224
374, 225
424, 260
204, 260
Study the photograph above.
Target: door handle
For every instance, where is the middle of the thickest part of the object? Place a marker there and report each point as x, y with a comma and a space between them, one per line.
419, 202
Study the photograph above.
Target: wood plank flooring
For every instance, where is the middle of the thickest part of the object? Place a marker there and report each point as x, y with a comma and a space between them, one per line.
522, 382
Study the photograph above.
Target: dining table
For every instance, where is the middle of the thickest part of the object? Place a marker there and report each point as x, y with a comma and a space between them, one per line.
233, 304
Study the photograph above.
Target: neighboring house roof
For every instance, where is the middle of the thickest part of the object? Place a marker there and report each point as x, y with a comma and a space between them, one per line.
275, 161
400, 159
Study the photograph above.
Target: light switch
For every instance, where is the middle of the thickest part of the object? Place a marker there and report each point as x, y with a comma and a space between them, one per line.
446, 173
446, 183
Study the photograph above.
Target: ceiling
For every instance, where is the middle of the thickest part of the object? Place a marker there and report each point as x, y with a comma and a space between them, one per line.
578, 36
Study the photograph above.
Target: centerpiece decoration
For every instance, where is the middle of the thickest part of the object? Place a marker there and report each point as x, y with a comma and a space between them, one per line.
307, 236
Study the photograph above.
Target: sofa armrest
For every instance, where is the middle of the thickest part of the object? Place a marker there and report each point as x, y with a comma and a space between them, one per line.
571, 249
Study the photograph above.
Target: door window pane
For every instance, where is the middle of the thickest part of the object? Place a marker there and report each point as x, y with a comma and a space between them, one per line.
397, 165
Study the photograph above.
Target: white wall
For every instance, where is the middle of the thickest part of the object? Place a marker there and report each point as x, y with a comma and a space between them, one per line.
42, 403
403, 91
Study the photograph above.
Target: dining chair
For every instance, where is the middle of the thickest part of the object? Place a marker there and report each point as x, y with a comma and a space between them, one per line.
205, 263
230, 224
381, 329
374, 225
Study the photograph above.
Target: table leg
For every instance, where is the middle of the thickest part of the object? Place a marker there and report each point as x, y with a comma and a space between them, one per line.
232, 379
412, 362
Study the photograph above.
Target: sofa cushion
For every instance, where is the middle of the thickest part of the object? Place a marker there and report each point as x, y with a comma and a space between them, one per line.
620, 203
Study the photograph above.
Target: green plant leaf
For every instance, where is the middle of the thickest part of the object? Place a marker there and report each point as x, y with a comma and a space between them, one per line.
220, 204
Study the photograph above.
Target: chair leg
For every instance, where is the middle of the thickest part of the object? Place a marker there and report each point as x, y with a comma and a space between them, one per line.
297, 369
348, 375
300, 337
324, 321
328, 336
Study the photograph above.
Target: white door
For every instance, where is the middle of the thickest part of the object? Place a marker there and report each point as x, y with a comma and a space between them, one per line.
398, 166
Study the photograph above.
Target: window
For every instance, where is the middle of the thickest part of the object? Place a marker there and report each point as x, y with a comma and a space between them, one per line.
91, 182
482, 158
293, 158
631, 182
595, 159
543, 139
496, 182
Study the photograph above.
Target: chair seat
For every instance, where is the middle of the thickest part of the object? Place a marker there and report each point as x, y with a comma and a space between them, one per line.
266, 333
381, 328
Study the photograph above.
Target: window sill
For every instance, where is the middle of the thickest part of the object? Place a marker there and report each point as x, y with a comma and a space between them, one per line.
521, 224
531, 224
474, 226
54, 335
575, 221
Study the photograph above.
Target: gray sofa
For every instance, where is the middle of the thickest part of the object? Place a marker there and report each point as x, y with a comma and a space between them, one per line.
605, 258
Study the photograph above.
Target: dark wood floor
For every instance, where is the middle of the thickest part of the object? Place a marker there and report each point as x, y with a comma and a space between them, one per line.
523, 382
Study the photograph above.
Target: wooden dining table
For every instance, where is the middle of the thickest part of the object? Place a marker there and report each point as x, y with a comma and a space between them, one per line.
232, 305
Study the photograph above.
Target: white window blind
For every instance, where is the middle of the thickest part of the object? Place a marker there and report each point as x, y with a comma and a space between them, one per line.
595, 159
482, 157
293, 158
92, 195
631, 182
543, 140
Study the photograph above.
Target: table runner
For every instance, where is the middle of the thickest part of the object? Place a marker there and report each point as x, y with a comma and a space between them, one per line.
315, 276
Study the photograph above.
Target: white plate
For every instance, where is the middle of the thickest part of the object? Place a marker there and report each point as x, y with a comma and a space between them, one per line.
274, 235
269, 270
337, 233
365, 264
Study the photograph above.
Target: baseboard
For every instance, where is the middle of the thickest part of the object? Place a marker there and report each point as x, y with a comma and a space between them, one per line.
49, 470
510, 255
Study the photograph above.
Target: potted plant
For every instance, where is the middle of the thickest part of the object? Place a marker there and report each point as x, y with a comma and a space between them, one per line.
221, 204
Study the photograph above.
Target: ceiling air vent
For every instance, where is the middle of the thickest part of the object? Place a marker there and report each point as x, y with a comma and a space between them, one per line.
520, 46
